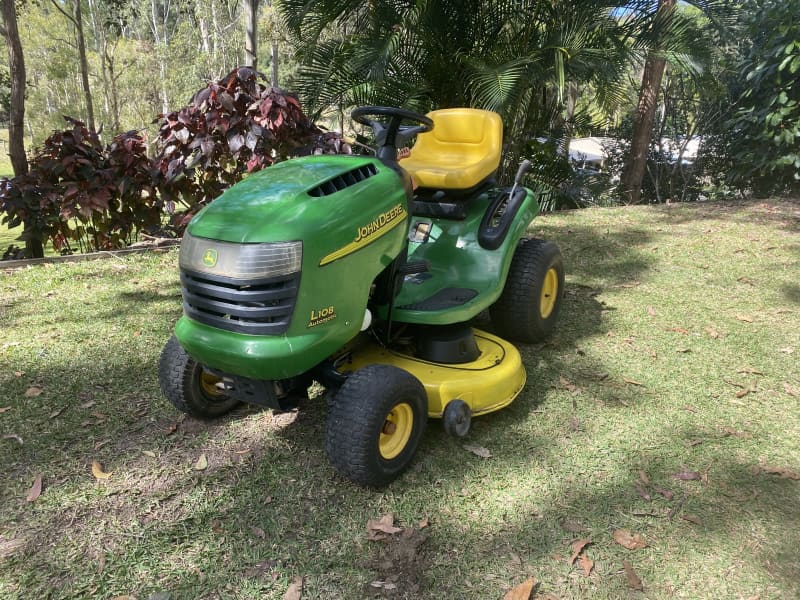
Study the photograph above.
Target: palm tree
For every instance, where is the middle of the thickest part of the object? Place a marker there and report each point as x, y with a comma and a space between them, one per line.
516, 58
665, 35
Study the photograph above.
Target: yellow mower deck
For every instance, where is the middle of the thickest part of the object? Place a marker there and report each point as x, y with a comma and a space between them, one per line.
487, 384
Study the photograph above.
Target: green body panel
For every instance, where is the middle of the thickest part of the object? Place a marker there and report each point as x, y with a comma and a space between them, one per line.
457, 260
355, 233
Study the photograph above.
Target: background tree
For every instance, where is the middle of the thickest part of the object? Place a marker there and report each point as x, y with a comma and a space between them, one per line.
762, 135
16, 63
76, 18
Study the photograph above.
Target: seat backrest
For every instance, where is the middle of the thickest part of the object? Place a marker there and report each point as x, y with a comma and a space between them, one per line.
465, 143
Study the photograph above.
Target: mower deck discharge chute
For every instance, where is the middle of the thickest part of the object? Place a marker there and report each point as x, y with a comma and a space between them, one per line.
334, 269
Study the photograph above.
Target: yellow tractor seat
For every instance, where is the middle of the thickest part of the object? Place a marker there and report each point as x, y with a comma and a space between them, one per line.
461, 151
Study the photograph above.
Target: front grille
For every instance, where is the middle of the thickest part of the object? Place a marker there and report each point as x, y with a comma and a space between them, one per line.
263, 307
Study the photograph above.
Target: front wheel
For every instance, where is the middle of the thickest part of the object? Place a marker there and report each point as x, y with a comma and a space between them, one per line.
375, 424
190, 387
528, 308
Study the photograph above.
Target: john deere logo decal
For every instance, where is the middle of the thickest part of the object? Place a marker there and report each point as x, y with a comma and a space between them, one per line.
210, 257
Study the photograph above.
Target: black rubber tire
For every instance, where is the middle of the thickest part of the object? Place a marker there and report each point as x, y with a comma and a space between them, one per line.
180, 378
357, 418
517, 313
457, 418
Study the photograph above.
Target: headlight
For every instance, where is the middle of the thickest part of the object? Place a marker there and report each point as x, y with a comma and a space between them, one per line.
240, 261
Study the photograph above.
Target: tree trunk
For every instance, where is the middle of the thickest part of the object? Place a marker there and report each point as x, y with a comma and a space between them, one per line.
16, 64
274, 81
645, 116
251, 33
84, 64
569, 125
16, 125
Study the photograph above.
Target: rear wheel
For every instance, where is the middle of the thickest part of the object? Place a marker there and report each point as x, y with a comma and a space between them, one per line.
189, 386
375, 423
528, 308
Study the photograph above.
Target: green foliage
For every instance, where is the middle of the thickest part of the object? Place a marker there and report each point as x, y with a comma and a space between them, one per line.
764, 132
78, 190
513, 58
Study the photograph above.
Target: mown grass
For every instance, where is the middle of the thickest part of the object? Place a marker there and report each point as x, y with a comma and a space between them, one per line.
671, 314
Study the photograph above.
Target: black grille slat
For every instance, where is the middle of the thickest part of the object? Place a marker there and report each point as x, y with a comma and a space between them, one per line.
248, 294
343, 180
261, 307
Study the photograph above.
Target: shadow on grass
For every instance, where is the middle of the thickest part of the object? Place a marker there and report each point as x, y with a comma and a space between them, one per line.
268, 507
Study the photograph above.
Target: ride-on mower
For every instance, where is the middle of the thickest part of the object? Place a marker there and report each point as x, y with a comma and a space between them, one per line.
346, 271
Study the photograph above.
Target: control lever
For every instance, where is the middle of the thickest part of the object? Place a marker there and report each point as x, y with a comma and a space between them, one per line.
524, 167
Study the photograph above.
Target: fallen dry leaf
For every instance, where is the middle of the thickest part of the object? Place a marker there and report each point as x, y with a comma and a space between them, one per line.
744, 318
687, 476
750, 371
651, 311
642, 491
633, 579
33, 391
572, 526
632, 382
680, 330
565, 383
577, 547
295, 590
36, 488
748, 390
629, 540
258, 532
692, 519
783, 472
683, 350
57, 412
787, 350
381, 529
712, 332
791, 390
13, 436
521, 591
478, 450
666, 493
643, 477
587, 564
171, 428
726, 431
201, 464
423, 523
4, 409
98, 471
149, 453
100, 444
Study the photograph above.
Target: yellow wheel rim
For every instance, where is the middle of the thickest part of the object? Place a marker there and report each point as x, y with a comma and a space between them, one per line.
208, 383
549, 294
396, 431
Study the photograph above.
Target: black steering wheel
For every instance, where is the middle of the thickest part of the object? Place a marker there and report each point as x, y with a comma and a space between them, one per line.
389, 134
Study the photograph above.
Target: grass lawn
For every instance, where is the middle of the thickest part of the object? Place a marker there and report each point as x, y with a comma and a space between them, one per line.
666, 405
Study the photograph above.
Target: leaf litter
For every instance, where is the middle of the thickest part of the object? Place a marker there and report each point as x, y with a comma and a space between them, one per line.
631, 541
521, 591
634, 581
400, 561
